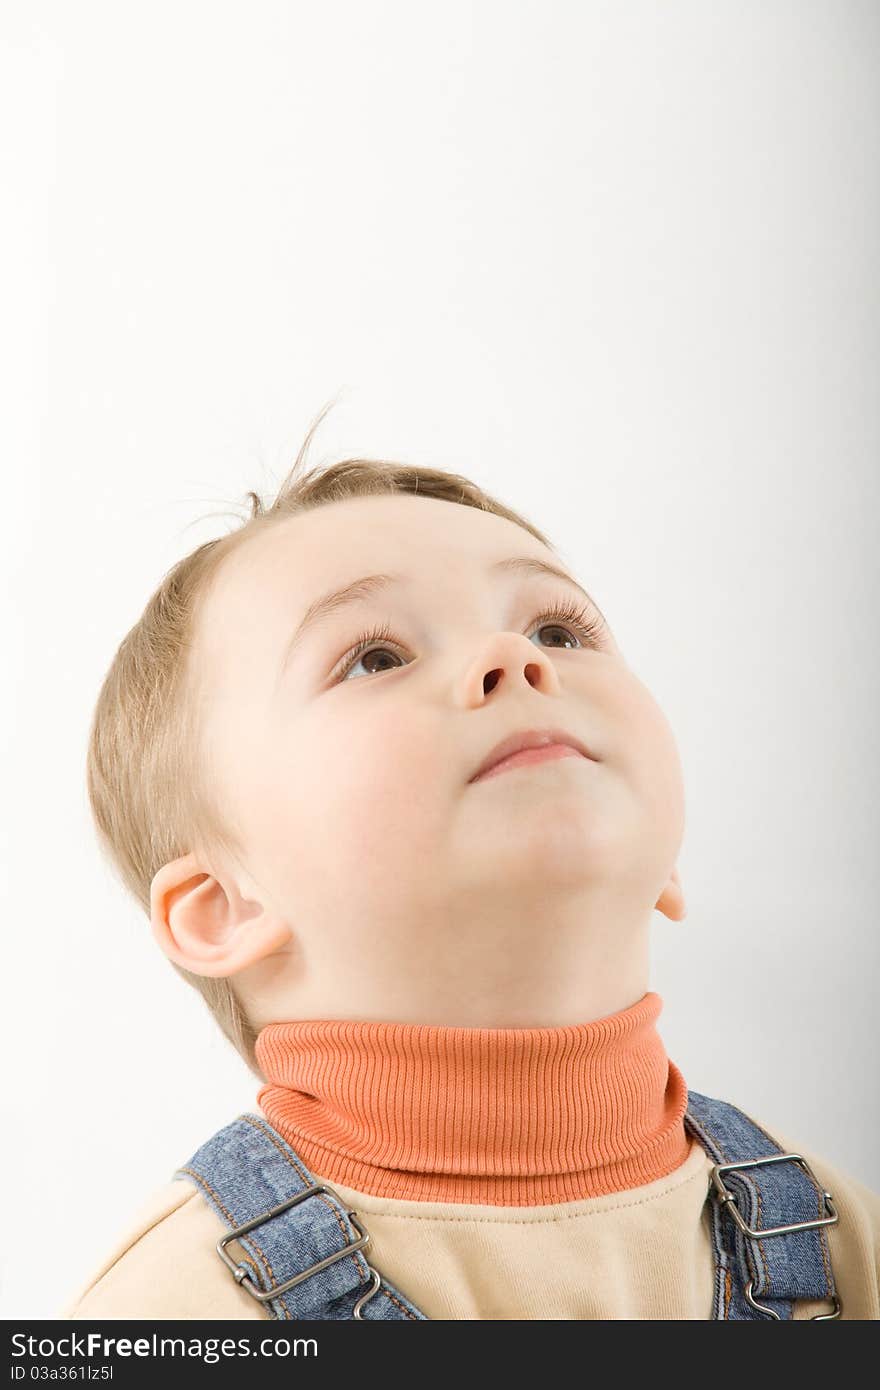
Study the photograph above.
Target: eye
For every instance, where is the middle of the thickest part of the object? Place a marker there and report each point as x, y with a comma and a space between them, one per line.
585, 623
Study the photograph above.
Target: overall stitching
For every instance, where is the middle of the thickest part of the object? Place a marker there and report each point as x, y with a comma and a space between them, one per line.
294, 1163
246, 1258
821, 1231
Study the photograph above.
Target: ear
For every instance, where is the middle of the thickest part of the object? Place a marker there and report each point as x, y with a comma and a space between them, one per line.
206, 925
671, 901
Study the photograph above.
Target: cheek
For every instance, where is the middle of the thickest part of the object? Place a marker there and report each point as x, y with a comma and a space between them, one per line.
373, 779
654, 759
641, 742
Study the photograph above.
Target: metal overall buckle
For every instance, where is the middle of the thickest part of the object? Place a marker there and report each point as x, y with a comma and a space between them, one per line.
728, 1200
241, 1273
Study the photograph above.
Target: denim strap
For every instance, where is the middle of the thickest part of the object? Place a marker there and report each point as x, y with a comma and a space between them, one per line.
776, 1269
244, 1171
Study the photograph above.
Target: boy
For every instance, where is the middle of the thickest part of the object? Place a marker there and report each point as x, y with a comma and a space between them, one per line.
396, 805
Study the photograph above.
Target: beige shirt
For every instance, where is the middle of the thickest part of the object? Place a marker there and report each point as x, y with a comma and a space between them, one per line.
645, 1253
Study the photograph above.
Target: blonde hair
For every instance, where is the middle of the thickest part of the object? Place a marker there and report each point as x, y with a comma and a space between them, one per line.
148, 776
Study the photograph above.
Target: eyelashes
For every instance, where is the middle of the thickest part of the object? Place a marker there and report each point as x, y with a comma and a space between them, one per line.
583, 620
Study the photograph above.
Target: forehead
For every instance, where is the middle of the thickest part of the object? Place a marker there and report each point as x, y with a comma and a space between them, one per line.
302, 554
263, 587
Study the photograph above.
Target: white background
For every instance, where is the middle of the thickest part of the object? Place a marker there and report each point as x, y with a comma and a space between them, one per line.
616, 262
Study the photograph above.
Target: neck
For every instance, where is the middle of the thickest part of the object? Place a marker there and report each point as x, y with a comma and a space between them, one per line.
508, 1116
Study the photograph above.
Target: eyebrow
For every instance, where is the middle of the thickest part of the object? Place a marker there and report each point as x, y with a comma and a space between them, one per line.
360, 589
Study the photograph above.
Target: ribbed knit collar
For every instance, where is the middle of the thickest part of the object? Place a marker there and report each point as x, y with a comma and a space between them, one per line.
507, 1116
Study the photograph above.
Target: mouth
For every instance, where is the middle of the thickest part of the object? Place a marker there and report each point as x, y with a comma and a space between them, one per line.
531, 746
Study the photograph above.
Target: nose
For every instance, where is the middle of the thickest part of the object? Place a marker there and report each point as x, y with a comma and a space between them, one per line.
508, 658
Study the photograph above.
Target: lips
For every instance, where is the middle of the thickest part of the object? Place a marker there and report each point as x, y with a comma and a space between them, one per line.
529, 738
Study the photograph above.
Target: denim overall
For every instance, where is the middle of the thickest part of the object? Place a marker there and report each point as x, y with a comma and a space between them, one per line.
766, 1223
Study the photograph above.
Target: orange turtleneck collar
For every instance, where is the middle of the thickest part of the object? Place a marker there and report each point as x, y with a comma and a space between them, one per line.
507, 1116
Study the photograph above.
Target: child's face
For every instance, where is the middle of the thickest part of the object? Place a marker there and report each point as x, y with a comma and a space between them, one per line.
410, 892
